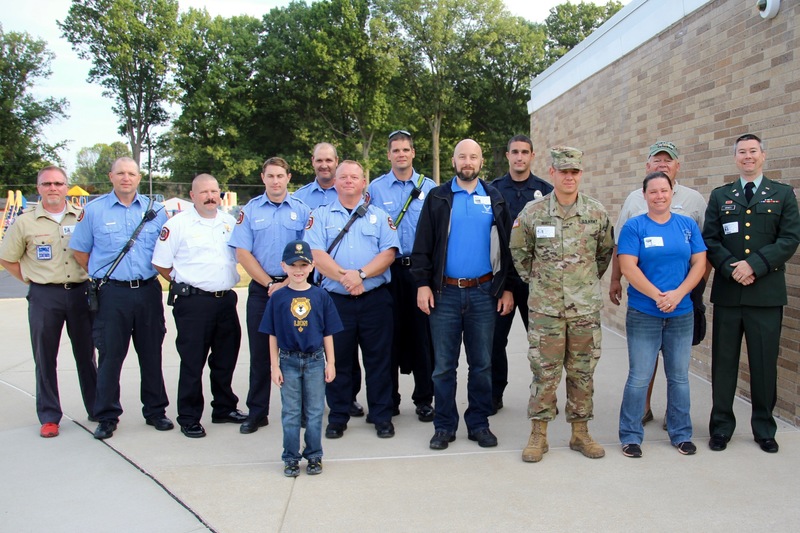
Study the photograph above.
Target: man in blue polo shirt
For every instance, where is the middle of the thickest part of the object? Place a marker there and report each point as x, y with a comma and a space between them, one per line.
130, 303
265, 225
401, 193
461, 263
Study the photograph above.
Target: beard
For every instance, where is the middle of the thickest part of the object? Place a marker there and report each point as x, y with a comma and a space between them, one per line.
468, 175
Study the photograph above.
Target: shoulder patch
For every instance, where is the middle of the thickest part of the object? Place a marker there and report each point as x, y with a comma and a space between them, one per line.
310, 222
164, 234
241, 217
80, 217
391, 224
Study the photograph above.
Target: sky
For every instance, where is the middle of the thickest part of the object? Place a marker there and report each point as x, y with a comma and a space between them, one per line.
90, 119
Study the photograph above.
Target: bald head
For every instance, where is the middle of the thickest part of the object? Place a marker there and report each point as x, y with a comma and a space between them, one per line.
467, 160
205, 195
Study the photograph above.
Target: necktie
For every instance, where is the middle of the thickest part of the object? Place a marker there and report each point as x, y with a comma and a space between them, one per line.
748, 191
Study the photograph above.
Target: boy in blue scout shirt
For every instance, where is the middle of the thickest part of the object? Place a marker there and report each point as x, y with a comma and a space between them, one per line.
300, 320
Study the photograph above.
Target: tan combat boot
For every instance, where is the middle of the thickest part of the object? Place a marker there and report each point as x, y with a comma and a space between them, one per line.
537, 442
582, 442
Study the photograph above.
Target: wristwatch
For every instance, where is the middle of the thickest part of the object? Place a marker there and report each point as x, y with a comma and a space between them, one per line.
362, 274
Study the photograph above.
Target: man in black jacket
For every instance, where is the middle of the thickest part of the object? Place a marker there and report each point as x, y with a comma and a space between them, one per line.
461, 262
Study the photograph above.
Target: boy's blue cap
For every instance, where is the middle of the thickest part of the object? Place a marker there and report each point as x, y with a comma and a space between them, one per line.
297, 251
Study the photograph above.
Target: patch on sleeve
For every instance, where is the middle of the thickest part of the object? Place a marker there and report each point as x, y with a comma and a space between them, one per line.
516, 223
80, 217
241, 218
310, 222
164, 234
391, 224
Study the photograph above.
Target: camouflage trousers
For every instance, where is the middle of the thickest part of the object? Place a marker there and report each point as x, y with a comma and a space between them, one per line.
569, 343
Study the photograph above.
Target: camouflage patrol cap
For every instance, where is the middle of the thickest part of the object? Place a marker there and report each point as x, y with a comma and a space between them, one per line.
664, 146
566, 157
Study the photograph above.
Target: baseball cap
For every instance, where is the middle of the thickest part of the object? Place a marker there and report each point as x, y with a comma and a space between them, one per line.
297, 251
664, 146
566, 157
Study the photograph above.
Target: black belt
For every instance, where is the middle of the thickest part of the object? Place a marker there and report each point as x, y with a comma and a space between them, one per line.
215, 294
467, 283
403, 261
278, 279
133, 283
66, 286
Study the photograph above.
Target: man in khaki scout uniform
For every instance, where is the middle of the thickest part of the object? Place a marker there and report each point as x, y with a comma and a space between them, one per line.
562, 245
36, 251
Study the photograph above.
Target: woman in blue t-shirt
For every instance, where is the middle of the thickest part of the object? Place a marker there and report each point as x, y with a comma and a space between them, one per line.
663, 257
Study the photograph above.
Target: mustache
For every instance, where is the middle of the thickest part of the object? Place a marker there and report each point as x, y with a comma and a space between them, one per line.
210, 201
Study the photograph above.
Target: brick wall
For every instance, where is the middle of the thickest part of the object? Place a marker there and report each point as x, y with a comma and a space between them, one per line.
720, 72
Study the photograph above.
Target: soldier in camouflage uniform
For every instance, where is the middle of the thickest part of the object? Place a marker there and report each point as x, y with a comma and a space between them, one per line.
562, 245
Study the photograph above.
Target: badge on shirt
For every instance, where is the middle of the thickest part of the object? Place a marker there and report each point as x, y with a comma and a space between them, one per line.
293, 215
241, 217
481, 200
537, 194
373, 219
67, 230
164, 234
310, 222
730, 227
44, 252
650, 242
545, 232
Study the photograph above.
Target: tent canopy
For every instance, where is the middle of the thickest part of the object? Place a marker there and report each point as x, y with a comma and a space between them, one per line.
76, 190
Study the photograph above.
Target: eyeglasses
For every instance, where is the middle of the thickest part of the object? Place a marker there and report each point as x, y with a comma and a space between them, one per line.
399, 132
48, 184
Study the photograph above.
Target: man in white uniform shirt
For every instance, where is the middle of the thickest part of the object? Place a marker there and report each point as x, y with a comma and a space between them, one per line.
193, 253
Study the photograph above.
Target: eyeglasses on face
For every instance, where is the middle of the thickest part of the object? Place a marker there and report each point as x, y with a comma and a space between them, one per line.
48, 184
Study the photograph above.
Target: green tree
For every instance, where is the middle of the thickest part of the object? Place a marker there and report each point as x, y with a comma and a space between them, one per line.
216, 77
131, 44
435, 38
569, 24
23, 60
94, 163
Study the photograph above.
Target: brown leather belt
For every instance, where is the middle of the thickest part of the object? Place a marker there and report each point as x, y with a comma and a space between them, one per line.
467, 283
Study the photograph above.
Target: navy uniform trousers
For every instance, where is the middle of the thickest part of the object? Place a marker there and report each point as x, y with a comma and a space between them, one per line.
49, 307
206, 323
129, 313
260, 369
365, 319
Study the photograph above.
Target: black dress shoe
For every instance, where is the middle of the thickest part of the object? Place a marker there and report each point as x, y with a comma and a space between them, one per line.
768, 445
234, 417
441, 440
356, 410
251, 426
425, 413
193, 431
161, 423
335, 431
104, 430
385, 430
484, 437
718, 442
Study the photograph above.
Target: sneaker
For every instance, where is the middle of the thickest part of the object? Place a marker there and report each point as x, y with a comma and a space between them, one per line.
632, 450
425, 413
314, 467
686, 448
291, 469
50, 429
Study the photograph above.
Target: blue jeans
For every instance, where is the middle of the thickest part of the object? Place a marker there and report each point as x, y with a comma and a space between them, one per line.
646, 336
303, 389
467, 313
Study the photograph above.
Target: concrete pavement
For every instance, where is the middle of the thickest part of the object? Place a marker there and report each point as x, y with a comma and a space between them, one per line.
142, 480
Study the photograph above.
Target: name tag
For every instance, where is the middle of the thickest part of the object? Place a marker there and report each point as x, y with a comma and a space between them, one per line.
67, 230
649, 242
730, 227
545, 232
481, 200
44, 252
